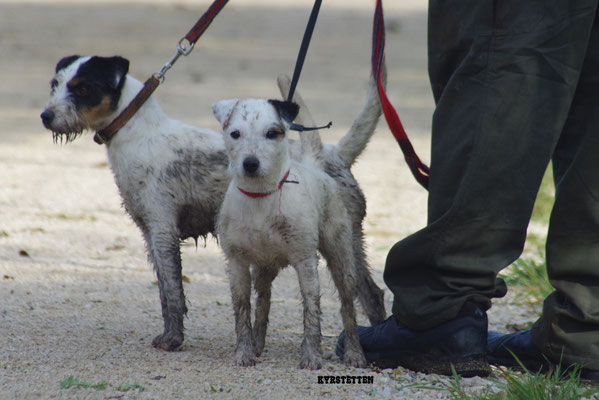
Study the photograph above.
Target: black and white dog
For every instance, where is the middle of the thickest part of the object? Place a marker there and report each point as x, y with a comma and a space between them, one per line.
172, 177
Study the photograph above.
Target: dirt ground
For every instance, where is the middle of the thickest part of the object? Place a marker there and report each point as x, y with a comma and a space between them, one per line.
77, 294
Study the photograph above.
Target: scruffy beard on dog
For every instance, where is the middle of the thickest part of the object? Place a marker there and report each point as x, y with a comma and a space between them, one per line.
172, 177
279, 211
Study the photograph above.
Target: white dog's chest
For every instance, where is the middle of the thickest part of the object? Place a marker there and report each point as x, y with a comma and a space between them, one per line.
276, 238
261, 249
258, 239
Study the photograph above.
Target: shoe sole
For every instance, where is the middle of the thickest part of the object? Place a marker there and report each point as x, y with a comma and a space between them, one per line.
475, 366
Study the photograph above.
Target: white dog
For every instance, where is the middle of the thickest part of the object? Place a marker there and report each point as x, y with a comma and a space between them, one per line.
277, 212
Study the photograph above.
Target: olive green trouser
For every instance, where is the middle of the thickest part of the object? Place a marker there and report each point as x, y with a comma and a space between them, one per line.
516, 84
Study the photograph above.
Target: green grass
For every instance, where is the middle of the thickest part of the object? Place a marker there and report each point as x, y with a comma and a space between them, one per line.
555, 385
559, 384
530, 277
131, 386
72, 382
545, 197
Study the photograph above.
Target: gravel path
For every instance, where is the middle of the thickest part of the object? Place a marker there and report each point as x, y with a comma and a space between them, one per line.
78, 296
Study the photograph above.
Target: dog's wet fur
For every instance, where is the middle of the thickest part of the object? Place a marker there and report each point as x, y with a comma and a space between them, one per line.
172, 177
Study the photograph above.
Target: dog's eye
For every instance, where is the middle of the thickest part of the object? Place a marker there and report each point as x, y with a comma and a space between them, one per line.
82, 90
273, 134
235, 134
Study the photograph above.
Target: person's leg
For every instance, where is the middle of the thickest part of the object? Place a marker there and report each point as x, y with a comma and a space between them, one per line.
569, 327
568, 331
504, 74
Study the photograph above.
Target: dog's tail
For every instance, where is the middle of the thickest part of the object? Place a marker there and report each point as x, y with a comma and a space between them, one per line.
355, 140
353, 143
311, 144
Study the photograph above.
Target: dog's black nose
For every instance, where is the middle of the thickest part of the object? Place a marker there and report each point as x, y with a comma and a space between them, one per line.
251, 164
47, 118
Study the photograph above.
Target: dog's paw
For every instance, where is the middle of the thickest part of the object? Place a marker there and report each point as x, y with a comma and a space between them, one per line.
354, 358
258, 350
312, 362
168, 341
258, 346
244, 359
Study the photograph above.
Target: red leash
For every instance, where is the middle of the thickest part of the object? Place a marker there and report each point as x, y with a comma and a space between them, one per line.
205, 20
418, 168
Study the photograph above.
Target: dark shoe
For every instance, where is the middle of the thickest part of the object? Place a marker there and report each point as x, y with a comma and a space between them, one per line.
501, 346
460, 343
507, 349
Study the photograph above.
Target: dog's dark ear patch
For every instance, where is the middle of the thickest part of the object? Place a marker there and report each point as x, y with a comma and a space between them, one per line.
105, 76
286, 109
65, 62
110, 70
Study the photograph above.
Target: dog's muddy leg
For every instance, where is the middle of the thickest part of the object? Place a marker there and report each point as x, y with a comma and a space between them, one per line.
336, 249
240, 282
307, 273
166, 257
263, 278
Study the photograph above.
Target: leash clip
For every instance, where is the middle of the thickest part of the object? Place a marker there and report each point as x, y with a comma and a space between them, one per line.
181, 51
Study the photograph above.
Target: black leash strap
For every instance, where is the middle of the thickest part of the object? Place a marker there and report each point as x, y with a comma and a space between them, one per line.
300, 63
304, 48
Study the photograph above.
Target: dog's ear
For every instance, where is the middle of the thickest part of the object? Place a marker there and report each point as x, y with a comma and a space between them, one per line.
287, 110
111, 70
65, 62
120, 67
223, 109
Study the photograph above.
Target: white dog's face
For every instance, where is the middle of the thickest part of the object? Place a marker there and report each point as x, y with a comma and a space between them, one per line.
84, 94
255, 133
